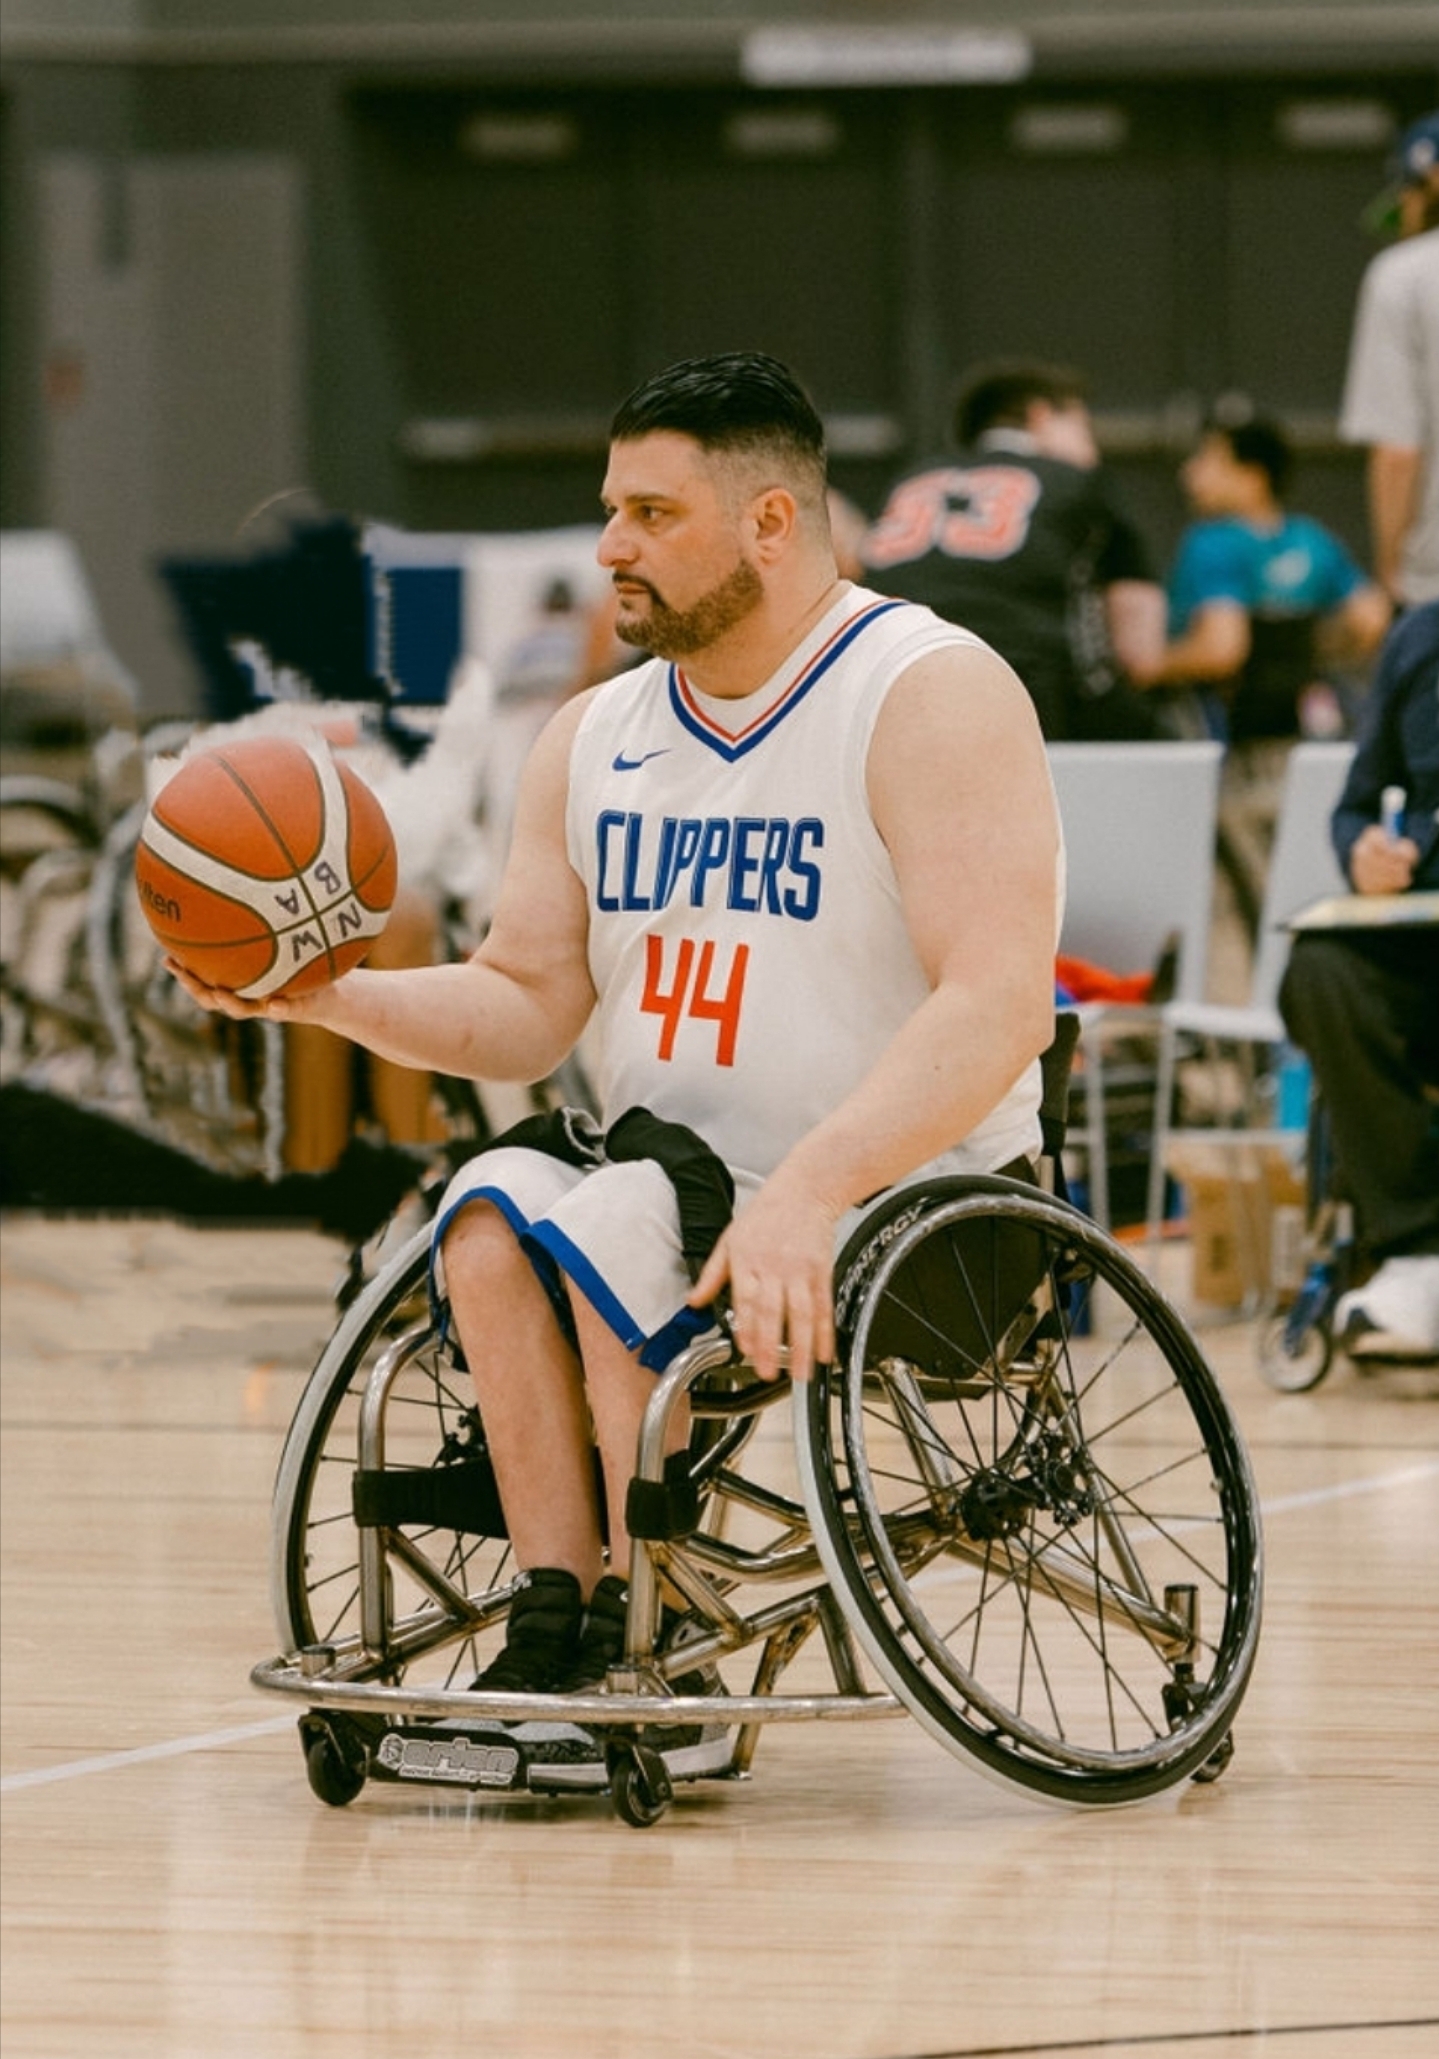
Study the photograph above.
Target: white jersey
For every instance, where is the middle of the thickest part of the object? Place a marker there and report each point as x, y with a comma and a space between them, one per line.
746, 936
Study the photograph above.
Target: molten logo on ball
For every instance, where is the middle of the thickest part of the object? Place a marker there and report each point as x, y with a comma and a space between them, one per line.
266, 867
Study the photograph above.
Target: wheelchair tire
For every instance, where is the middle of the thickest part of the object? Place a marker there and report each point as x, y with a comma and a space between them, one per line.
1290, 1364
431, 1429
1031, 1498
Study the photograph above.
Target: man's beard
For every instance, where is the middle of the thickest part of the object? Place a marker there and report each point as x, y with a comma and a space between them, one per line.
678, 632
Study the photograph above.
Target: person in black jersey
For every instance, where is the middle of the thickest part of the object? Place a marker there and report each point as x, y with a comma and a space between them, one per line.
1021, 537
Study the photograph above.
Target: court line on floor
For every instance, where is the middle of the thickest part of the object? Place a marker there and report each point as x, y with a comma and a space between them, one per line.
1281, 1504
1154, 2041
106, 1762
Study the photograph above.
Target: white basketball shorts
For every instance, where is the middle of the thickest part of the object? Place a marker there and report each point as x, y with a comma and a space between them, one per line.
613, 1230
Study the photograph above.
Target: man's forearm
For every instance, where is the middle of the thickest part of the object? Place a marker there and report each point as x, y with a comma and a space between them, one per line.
1134, 616
1393, 477
464, 1019
1214, 647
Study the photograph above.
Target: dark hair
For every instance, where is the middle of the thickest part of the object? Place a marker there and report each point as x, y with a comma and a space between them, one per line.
1001, 394
741, 402
1260, 442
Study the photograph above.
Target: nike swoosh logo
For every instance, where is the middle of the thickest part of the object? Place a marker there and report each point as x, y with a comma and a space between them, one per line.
624, 764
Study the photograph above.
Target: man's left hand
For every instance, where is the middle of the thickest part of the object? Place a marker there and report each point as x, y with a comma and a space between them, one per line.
778, 1258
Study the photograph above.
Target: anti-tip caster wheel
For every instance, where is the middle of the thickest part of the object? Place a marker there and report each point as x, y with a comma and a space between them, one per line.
639, 1784
1215, 1764
335, 1775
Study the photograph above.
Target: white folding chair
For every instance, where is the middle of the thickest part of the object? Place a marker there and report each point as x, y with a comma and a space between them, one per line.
1302, 868
1139, 829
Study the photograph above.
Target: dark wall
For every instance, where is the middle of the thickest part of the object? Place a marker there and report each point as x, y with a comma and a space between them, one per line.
489, 268
878, 241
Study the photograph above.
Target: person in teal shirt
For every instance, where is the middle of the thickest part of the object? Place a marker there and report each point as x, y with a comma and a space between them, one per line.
1263, 602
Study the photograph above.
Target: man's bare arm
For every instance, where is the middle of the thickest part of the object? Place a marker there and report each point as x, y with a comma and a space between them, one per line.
1134, 617
1213, 647
514, 1009
1355, 629
1393, 483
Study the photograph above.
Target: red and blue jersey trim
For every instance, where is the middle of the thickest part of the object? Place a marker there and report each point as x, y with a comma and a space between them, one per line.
733, 745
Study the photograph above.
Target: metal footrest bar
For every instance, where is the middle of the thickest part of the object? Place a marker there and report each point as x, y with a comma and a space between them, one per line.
287, 1676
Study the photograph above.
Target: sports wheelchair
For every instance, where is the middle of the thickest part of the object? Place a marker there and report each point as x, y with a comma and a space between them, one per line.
1019, 1509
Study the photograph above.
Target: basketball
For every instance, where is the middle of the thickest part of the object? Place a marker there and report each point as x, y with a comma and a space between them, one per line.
266, 866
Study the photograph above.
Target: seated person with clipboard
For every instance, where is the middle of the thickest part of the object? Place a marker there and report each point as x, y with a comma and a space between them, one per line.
1361, 998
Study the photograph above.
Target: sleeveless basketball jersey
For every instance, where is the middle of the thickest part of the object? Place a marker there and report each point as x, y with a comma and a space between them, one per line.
746, 936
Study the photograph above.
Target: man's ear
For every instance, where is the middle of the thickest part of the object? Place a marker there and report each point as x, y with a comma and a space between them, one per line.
774, 515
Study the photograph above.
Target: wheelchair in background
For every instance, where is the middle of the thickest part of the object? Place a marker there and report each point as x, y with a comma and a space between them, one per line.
1019, 1510
1296, 1342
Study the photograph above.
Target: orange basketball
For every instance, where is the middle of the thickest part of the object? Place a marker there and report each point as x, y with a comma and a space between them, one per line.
266, 866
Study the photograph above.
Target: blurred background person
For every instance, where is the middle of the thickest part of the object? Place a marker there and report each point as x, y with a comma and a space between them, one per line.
1022, 537
1264, 603
1391, 389
1268, 614
538, 672
1364, 1004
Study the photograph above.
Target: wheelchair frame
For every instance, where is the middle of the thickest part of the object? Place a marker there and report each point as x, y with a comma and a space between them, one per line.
976, 1519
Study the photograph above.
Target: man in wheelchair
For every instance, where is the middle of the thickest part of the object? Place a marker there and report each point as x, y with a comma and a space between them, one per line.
801, 873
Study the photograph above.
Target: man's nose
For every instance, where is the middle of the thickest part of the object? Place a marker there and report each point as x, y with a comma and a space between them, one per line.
616, 544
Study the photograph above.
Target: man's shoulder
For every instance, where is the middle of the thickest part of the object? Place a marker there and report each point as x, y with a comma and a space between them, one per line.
1411, 652
1413, 258
1309, 531
636, 679
1218, 539
1404, 279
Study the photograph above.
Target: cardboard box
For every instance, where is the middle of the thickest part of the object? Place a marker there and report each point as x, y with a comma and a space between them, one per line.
1246, 1206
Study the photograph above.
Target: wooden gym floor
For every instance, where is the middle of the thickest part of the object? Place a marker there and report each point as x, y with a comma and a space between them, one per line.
172, 1890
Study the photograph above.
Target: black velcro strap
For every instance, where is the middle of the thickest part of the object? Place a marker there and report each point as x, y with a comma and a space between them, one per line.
661, 1511
1055, 1065
459, 1497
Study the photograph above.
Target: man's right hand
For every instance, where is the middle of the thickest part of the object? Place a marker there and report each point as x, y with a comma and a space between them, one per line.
1382, 864
219, 1001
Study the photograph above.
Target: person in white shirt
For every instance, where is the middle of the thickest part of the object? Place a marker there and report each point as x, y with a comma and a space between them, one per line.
1391, 389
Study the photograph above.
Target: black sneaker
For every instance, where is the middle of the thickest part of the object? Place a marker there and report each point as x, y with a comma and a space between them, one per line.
542, 1636
602, 1636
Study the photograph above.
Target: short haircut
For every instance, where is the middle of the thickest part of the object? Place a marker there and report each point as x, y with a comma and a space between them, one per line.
741, 403
1260, 442
1000, 395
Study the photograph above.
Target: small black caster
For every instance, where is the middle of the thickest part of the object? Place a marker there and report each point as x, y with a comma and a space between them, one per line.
639, 1784
335, 1763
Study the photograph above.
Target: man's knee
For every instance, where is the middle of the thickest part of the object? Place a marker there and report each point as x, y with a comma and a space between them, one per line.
479, 1249
1319, 969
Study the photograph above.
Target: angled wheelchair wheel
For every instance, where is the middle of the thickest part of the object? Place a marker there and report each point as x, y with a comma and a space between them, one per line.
1294, 1355
1030, 1495
399, 1566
